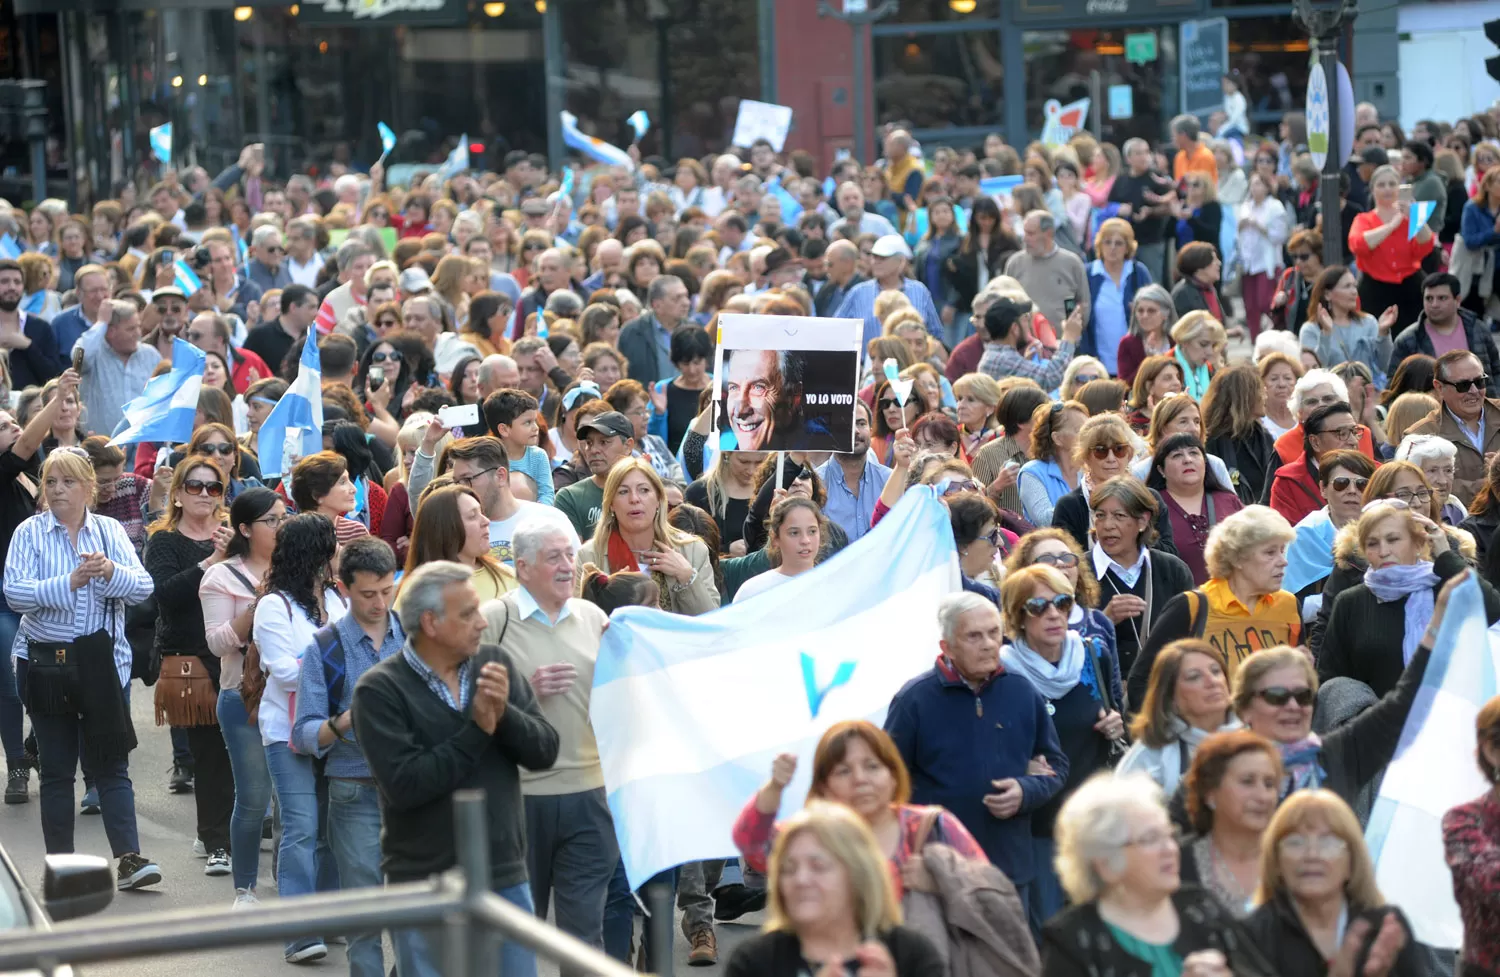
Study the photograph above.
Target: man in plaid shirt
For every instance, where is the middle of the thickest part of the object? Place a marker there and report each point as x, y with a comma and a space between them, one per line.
1007, 324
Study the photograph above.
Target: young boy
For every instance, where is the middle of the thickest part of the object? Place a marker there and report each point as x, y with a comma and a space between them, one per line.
511, 416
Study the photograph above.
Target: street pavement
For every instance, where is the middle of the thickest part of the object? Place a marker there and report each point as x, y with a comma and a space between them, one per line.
167, 824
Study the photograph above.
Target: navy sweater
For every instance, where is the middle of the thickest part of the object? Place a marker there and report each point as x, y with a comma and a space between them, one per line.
956, 741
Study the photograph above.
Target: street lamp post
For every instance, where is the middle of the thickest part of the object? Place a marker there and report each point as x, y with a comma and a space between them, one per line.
859, 16
1324, 24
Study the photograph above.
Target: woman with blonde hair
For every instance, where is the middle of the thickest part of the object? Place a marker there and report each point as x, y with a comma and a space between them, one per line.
1404, 411
1081, 370
1051, 471
1115, 279
888, 302
453, 272
1279, 373
1317, 895
717, 287
1177, 414
976, 396
451, 525
1200, 340
633, 533
1231, 415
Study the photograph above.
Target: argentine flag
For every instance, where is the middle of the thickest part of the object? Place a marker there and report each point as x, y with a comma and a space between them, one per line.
9, 248
457, 161
791, 209
297, 419
167, 407
834, 643
387, 138
186, 278
161, 142
591, 146
1435, 770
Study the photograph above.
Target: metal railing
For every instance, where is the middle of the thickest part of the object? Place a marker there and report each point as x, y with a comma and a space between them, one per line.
471, 918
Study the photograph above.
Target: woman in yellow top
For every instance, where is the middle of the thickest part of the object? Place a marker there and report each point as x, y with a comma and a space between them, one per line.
1241, 608
633, 534
451, 525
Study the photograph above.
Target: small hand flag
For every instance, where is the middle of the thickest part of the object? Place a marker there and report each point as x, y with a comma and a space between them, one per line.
640, 122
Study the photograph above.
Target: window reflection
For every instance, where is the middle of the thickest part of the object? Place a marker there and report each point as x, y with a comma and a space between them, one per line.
1271, 56
1060, 64
928, 11
936, 81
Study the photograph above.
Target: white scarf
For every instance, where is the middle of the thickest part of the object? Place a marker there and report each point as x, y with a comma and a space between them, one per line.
1052, 681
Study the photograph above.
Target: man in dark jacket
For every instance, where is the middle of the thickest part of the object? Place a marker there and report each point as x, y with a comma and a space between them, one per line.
551, 276
967, 730
445, 714
1440, 322
646, 341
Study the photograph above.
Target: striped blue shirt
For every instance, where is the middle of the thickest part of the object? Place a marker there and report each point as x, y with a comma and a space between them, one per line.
860, 304
435, 681
37, 567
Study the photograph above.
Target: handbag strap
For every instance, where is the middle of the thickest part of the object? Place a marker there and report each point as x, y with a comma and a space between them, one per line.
925, 828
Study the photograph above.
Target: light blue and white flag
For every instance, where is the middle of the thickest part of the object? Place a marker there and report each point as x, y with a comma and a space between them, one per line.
161, 142
640, 123
999, 187
1421, 210
387, 138
168, 405
295, 425
34, 303
1310, 557
457, 161
566, 187
834, 643
592, 146
1434, 770
791, 209
186, 278
9, 247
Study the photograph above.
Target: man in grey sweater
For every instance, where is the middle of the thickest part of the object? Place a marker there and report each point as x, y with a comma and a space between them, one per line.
1052, 276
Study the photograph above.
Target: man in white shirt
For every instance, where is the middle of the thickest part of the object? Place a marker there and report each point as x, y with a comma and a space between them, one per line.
481, 464
302, 257
851, 200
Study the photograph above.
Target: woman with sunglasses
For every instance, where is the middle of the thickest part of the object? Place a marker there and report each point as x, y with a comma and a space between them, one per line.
1294, 488
186, 541
1374, 626
228, 591
1195, 499
1080, 682
1103, 450
382, 366
216, 441
1291, 304
1060, 551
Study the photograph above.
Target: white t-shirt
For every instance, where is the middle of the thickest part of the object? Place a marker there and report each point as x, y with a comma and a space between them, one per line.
760, 583
282, 638
501, 530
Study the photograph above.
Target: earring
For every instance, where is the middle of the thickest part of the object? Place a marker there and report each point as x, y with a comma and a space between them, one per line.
177, 503
1211, 805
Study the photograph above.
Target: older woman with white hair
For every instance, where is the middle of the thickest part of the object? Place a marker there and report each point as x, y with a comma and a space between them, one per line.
1151, 316
1317, 388
1118, 859
1200, 341
1436, 457
1241, 607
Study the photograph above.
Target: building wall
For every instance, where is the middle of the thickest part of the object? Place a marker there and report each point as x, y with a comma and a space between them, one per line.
814, 66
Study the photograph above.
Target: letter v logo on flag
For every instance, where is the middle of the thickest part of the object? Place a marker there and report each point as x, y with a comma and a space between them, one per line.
815, 695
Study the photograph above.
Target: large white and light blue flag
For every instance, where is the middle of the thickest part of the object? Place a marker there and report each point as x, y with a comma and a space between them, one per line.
9, 247
834, 643
161, 142
1310, 557
592, 146
295, 425
1435, 770
168, 405
457, 161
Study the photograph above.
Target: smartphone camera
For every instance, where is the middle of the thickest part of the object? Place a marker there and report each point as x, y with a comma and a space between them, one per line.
376, 377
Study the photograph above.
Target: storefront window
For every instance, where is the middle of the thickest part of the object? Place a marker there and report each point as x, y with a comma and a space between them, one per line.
1271, 56
1072, 65
933, 11
939, 81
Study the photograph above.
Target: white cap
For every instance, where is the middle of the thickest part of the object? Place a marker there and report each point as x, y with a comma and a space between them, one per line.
891, 246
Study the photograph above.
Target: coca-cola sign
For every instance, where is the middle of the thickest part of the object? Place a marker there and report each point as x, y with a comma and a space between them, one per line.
382, 12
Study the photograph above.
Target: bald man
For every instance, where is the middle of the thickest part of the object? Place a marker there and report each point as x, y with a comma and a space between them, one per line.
843, 274
608, 257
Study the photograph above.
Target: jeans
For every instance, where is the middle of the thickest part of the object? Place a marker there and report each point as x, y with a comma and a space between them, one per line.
620, 908
252, 787
1046, 895
419, 954
12, 696
354, 836
695, 881
213, 788
304, 861
182, 750
571, 854
57, 740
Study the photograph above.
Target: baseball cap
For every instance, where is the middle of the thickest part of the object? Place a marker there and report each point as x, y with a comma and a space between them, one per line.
611, 423
168, 291
891, 246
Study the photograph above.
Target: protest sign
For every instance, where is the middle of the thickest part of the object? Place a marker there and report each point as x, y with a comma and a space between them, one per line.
762, 120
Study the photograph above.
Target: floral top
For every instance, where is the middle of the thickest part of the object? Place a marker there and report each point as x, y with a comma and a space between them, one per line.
1471, 839
754, 834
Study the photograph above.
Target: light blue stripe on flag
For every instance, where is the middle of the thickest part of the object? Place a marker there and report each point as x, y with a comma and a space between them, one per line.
186, 279
834, 643
1310, 557
387, 137
9, 248
790, 208
592, 147
167, 408
297, 416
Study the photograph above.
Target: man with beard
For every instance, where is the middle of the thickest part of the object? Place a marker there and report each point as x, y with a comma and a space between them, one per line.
28, 339
854, 480
164, 319
1010, 342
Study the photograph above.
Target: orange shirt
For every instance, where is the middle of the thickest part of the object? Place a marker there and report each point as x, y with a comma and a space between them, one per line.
1201, 160
1397, 258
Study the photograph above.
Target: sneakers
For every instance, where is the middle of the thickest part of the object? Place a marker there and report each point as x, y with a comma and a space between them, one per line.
245, 899
17, 786
218, 863
198, 850
136, 872
308, 954
181, 780
734, 901
90, 803
705, 949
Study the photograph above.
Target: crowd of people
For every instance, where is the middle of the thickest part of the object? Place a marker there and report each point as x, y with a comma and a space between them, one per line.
1201, 582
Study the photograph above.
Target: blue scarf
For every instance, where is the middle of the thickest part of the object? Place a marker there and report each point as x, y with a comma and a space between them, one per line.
1413, 581
1194, 378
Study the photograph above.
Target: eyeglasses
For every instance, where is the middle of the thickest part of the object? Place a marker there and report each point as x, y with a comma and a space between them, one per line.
1464, 386
1037, 606
1318, 846
1084, 378
1341, 483
1064, 560
1347, 433
273, 521
391, 357
533, 247
386, 322
1419, 496
1301, 255
1153, 839
467, 481
1280, 695
218, 449
1103, 451
994, 537
195, 486
953, 486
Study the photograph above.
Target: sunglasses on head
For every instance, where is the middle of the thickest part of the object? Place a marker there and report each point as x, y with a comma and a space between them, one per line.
194, 486
1037, 606
1341, 483
1280, 695
952, 486
217, 449
1464, 386
1103, 451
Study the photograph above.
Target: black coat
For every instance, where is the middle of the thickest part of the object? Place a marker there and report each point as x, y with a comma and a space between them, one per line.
1072, 513
1188, 297
1078, 943
1279, 932
1252, 459
779, 954
961, 273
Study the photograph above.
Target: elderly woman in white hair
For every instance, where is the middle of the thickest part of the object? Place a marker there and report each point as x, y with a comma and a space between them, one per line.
1436, 456
1131, 916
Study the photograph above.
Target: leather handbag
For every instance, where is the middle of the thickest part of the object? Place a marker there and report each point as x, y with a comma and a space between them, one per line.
185, 693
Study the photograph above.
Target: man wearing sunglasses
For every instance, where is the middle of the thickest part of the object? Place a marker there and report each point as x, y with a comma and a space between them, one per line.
1467, 418
267, 265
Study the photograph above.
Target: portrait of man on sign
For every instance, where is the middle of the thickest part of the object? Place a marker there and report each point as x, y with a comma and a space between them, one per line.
786, 400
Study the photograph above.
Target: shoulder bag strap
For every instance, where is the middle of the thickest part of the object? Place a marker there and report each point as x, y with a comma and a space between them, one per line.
1208, 501
240, 577
925, 828
1101, 681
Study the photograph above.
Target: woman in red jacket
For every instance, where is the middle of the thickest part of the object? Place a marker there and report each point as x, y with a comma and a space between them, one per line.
1389, 257
1295, 490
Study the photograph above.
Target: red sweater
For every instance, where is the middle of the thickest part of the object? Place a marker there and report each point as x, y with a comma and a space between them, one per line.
1294, 491
1397, 258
